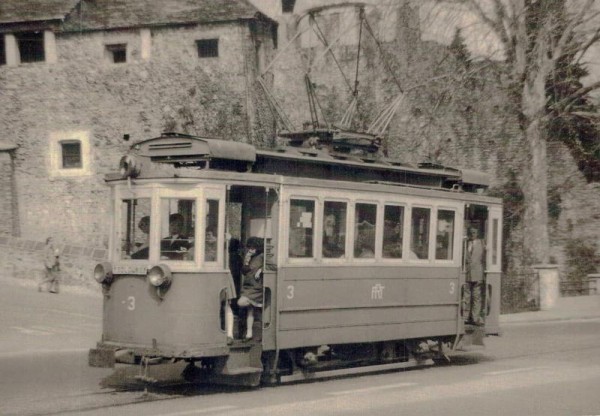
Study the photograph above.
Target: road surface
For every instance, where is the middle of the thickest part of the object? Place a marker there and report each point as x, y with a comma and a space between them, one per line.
550, 368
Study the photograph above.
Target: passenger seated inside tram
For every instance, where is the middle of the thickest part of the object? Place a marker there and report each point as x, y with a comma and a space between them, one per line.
333, 242
364, 246
176, 246
142, 251
210, 248
392, 240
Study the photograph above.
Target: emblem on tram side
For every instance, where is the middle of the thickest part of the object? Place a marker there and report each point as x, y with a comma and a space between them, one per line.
377, 291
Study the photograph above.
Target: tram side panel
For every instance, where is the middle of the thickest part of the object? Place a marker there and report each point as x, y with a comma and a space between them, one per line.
352, 304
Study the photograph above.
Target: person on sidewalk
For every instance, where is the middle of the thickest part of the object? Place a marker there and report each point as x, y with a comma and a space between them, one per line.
52, 267
475, 262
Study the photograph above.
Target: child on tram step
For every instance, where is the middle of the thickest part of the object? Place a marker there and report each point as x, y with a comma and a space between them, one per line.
252, 281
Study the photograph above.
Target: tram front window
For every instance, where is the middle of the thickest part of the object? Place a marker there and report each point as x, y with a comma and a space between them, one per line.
135, 228
177, 228
212, 227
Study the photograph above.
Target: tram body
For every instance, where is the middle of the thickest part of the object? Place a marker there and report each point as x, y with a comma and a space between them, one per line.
364, 261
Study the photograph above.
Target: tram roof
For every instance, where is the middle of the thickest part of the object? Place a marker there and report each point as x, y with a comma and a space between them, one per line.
297, 160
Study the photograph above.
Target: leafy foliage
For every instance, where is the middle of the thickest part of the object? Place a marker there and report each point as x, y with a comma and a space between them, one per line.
581, 259
571, 119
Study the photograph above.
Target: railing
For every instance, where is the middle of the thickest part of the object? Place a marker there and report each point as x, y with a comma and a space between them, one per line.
576, 288
520, 293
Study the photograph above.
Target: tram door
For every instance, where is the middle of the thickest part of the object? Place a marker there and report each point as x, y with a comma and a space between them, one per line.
474, 306
252, 211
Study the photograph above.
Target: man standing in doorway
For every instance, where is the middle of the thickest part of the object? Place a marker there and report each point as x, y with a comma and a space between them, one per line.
475, 261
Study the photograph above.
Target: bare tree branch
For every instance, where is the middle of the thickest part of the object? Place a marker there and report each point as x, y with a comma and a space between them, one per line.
567, 34
567, 103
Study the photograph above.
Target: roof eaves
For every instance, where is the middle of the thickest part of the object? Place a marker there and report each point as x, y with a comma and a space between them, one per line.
171, 24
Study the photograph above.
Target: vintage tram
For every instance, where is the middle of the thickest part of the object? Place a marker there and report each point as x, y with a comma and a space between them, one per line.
364, 257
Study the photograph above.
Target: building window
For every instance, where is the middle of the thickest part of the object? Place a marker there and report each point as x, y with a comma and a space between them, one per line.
71, 154
287, 6
2, 51
31, 46
208, 48
117, 53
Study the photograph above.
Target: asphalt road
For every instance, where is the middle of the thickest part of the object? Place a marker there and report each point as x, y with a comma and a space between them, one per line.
550, 368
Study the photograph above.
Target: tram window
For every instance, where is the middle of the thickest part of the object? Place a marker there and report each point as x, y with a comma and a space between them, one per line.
334, 229
365, 222
393, 217
177, 219
419, 242
445, 235
135, 228
302, 219
212, 227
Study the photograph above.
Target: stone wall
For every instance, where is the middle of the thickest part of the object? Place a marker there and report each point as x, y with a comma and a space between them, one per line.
9, 220
85, 94
24, 259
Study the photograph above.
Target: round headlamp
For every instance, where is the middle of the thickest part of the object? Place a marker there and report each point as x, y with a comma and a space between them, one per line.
160, 275
129, 167
103, 273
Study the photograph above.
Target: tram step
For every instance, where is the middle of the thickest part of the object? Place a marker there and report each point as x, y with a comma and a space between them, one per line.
243, 370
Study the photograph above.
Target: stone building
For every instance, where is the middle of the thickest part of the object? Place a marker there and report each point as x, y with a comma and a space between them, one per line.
79, 76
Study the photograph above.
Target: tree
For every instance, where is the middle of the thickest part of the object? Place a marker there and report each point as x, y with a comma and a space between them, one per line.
536, 37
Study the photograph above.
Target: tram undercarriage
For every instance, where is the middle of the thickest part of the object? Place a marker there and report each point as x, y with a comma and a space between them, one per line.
246, 364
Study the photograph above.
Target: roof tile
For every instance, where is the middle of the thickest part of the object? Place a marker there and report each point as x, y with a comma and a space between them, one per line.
110, 14
17, 11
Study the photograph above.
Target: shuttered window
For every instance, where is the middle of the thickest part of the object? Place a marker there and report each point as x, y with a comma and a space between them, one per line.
208, 48
71, 154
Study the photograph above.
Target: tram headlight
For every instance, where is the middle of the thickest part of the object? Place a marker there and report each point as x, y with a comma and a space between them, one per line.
103, 273
129, 167
160, 276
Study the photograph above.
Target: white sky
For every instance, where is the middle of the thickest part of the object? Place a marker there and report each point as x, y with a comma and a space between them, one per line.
439, 24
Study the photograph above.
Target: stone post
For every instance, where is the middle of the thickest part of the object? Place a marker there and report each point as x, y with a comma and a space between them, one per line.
549, 285
594, 283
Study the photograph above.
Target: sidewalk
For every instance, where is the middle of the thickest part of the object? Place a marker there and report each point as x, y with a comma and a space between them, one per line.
567, 308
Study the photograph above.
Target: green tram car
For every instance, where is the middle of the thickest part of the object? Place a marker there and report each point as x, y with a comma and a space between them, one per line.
364, 258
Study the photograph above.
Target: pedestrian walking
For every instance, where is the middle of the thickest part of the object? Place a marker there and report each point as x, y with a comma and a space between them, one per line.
52, 267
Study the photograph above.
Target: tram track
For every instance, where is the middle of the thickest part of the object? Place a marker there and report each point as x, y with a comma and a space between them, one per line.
135, 393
